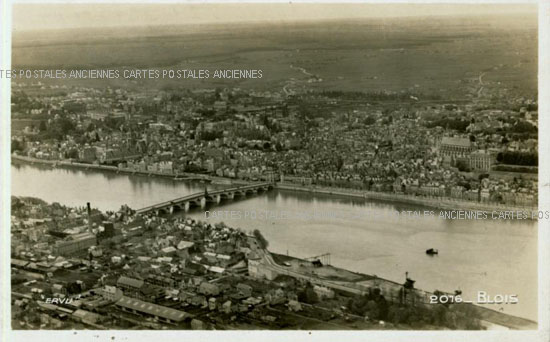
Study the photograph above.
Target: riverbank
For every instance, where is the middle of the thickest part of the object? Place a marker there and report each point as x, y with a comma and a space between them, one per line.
184, 176
430, 202
358, 284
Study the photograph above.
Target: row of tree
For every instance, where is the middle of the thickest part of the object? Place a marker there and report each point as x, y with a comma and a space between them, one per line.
518, 158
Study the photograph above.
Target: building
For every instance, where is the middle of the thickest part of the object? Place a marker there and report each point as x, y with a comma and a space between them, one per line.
87, 154
226, 307
76, 243
455, 147
158, 312
323, 292
432, 190
108, 230
212, 304
137, 288
481, 160
110, 293
244, 291
259, 271
129, 284
197, 325
207, 288
87, 317
161, 281
21, 264
294, 305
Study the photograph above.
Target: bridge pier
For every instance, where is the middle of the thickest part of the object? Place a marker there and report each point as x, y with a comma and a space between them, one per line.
227, 195
163, 211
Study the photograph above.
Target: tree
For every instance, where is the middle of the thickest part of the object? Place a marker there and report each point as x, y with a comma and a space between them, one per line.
60, 128
260, 238
16, 145
462, 166
369, 120
72, 154
524, 127
518, 158
308, 295
42, 126
382, 307
482, 176
339, 162
358, 305
372, 310
73, 288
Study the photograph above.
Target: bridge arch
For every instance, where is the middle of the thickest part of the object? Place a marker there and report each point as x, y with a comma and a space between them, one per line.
162, 211
178, 207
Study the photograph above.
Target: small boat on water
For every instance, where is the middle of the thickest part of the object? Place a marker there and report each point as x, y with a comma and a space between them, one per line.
432, 251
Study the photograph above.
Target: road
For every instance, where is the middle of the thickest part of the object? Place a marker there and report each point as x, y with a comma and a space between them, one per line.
267, 260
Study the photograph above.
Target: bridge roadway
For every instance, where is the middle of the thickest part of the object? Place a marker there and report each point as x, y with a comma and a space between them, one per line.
200, 199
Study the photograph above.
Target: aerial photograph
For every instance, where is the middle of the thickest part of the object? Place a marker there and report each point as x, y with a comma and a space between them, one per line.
274, 166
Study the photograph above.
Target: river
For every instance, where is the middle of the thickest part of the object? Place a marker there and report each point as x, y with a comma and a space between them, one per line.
495, 256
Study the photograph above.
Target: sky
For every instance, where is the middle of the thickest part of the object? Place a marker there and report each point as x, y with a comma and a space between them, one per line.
41, 16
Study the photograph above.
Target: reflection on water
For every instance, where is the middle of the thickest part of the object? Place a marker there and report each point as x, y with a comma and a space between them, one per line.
105, 190
498, 257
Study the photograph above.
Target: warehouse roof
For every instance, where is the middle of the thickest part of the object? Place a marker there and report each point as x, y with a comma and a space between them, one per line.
136, 283
153, 309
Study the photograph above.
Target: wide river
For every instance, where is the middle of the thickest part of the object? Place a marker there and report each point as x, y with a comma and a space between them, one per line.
495, 256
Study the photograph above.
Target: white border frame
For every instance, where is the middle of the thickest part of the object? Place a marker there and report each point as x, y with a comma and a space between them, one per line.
542, 334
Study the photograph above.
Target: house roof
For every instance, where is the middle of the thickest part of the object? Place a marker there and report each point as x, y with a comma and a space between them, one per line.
215, 269
169, 249
20, 263
185, 244
244, 286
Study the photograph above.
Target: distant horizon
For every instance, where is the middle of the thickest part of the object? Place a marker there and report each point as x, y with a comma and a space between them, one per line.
57, 17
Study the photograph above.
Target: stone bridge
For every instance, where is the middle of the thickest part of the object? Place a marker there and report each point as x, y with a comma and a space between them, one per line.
200, 199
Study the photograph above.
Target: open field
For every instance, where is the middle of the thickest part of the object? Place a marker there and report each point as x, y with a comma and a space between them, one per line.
443, 56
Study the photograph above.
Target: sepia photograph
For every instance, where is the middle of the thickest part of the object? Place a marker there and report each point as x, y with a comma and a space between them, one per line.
273, 166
